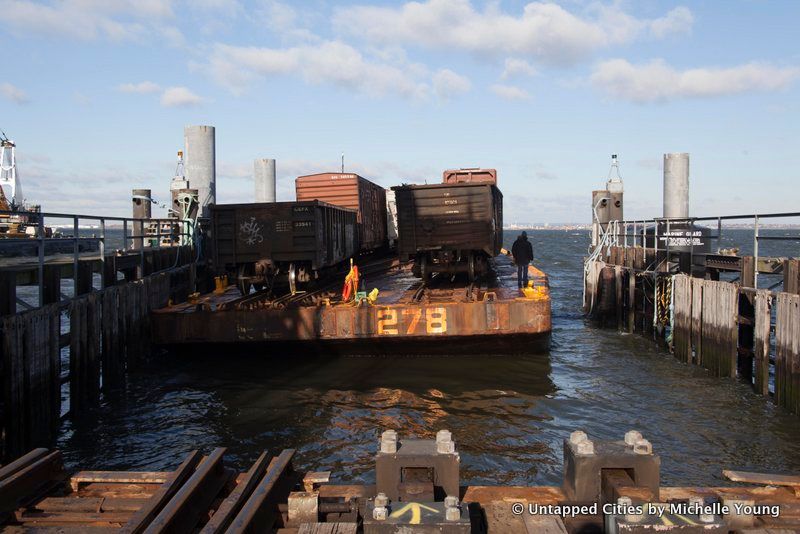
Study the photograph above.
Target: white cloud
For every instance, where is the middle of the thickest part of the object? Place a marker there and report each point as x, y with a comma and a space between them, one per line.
119, 20
657, 81
331, 62
140, 88
447, 84
517, 67
13, 93
543, 30
180, 97
510, 92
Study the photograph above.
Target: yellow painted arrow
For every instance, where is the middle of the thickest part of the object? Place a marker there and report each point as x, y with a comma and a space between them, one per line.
416, 512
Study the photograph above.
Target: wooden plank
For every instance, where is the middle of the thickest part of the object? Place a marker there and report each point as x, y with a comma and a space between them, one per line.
328, 528
89, 504
148, 512
762, 332
118, 477
233, 503
543, 524
748, 274
183, 511
764, 479
259, 512
75, 518
631, 298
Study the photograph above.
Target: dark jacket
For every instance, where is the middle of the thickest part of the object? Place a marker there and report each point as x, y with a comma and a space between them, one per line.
522, 251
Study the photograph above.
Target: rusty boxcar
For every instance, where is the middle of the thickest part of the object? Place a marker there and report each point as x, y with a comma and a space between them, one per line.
350, 191
449, 227
281, 243
469, 175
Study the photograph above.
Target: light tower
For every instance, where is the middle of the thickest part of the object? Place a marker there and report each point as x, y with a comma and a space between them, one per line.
8, 170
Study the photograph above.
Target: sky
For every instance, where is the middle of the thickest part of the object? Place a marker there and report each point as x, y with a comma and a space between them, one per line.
96, 94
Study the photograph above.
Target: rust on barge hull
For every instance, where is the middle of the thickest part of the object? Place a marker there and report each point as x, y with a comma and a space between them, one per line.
406, 312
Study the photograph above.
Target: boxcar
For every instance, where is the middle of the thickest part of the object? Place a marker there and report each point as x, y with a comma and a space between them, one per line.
449, 227
350, 191
470, 175
272, 244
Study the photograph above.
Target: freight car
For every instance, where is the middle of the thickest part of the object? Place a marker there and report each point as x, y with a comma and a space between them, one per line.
452, 227
350, 191
281, 244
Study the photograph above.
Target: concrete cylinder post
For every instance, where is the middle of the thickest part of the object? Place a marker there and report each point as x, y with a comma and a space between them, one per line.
264, 175
200, 164
676, 185
142, 209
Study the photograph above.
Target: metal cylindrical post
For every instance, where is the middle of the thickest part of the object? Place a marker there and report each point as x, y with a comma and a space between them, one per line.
264, 175
142, 209
200, 164
676, 185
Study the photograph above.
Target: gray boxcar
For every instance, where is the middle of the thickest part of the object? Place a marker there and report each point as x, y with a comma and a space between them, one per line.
449, 227
269, 244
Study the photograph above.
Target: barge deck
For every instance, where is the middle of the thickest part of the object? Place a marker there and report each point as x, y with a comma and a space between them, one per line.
406, 313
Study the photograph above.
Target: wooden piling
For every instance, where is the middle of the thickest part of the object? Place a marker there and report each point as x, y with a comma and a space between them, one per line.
791, 276
761, 332
682, 317
619, 293
747, 277
8, 293
31, 371
720, 327
84, 353
112, 358
631, 299
787, 352
697, 319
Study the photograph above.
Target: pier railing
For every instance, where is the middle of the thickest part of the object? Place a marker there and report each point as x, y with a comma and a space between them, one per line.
135, 240
634, 233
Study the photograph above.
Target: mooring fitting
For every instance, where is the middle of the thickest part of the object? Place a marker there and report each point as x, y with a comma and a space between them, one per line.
380, 513
585, 447
452, 513
381, 500
577, 437
642, 446
444, 442
389, 441
631, 437
627, 504
450, 501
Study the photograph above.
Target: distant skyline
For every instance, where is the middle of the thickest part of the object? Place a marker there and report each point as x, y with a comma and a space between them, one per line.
96, 94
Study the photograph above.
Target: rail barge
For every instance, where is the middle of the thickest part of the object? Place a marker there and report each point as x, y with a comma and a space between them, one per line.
610, 486
408, 315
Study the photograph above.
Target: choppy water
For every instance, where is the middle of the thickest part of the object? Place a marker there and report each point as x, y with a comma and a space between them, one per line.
508, 414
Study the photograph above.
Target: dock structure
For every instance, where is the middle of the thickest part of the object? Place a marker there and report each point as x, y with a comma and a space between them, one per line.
88, 338
406, 312
731, 327
608, 486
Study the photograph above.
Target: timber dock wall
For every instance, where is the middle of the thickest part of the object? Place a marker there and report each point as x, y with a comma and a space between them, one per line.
108, 334
729, 328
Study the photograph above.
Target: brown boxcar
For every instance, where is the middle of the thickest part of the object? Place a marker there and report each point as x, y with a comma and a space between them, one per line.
266, 242
468, 176
350, 191
449, 227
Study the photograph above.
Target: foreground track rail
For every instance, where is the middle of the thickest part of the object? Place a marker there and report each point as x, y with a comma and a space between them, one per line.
204, 495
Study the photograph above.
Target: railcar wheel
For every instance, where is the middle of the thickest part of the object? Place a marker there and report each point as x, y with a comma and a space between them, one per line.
471, 267
424, 268
243, 274
292, 275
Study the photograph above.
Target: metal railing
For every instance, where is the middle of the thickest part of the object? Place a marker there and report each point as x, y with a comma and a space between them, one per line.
139, 239
638, 231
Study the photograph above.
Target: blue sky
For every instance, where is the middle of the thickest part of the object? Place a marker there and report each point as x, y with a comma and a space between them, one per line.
96, 94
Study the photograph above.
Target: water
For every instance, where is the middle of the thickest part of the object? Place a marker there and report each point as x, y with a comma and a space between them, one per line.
508, 414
